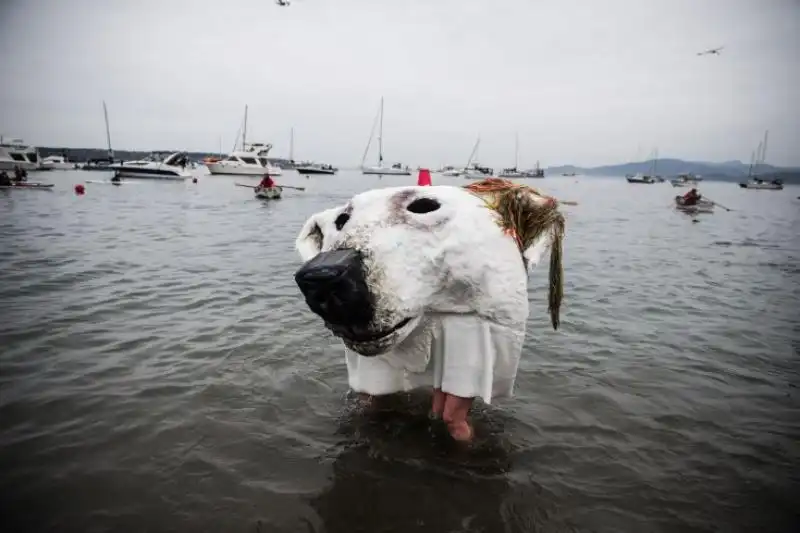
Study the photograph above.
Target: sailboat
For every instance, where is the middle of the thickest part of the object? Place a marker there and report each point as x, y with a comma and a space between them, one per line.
102, 163
513, 172
395, 170
251, 160
473, 170
650, 177
758, 158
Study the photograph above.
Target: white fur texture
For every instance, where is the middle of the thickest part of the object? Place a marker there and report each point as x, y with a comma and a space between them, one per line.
454, 270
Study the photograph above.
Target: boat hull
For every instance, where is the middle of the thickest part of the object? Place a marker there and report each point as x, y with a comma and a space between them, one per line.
10, 164
702, 207
229, 169
61, 166
269, 193
34, 186
161, 172
640, 181
311, 170
382, 171
762, 186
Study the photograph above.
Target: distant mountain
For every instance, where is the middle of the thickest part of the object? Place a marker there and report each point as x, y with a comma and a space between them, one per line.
725, 171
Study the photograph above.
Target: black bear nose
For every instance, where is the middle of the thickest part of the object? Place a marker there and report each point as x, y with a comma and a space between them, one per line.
335, 287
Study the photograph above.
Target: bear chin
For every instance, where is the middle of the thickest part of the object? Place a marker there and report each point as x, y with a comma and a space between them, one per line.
371, 344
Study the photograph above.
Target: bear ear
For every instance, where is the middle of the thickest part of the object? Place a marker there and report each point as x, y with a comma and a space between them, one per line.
317, 232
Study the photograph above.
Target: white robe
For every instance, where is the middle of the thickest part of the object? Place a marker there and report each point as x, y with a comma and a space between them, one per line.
463, 355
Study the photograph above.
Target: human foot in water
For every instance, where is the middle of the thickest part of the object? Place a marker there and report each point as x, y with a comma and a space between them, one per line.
453, 410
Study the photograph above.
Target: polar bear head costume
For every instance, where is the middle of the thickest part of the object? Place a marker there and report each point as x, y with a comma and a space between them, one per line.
376, 267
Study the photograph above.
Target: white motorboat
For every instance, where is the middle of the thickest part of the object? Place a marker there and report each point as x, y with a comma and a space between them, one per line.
269, 193
397, 169
250, 162
315, 168
59, 162
155, 166
15, 153
449, 171
684, 180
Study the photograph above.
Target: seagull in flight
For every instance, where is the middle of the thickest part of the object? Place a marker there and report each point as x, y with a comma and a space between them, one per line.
282, 2
713, 51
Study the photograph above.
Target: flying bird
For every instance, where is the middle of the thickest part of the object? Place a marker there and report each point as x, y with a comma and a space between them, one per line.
282, 2
713, 51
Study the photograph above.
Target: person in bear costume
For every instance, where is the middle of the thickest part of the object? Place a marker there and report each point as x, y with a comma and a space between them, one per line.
427, 287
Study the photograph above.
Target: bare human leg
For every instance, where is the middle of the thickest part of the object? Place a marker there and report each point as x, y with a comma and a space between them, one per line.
453, 410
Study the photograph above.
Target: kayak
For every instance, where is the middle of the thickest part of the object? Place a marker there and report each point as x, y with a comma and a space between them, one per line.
703, 206
268, 193
26, 185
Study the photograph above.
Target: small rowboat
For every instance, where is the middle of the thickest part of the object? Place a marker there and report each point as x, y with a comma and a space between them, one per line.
269, 193
26, 185
703, 206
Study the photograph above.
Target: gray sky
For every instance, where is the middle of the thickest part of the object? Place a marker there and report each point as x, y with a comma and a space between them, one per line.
583, 81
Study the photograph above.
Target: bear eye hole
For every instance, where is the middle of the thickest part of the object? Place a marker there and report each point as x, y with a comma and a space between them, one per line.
341, 220
423, 205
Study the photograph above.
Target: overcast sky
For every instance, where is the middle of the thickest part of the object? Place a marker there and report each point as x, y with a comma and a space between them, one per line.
583, 81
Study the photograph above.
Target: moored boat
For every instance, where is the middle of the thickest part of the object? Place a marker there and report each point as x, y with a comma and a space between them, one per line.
28, 185
155, 166
684, 180
268, 193
314, 168
396, 169
16, 154
58, 162
640, 178
758, 183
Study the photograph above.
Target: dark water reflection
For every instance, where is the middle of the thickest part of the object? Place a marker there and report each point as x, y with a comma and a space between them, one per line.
159, 372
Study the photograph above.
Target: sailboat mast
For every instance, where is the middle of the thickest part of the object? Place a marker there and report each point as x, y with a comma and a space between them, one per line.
474, 150
108, 131
516, 151
764, 151
752, 162
380, 138
757, 161
244, 130
291, 144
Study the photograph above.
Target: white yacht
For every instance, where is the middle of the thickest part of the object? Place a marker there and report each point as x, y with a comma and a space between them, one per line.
155, 166
15, 153
58, 162
250, 162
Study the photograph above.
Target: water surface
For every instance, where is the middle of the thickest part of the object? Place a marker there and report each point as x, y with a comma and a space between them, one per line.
159, 371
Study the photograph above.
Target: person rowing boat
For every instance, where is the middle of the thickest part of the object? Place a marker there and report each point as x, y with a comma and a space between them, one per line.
266, 183
692, 197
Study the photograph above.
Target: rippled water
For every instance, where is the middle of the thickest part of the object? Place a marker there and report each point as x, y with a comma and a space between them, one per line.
160, 372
